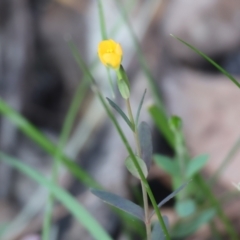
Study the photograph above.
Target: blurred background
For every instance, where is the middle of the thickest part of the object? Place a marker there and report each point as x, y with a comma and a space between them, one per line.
39, 77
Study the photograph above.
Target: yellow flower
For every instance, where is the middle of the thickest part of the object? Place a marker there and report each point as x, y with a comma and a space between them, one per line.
110, 53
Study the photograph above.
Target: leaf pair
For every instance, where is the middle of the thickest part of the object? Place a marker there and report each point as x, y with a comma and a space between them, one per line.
128, 206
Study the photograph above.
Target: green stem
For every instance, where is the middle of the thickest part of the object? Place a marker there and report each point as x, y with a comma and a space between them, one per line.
144, 193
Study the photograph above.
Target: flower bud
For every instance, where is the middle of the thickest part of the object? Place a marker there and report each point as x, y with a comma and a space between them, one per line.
110, 53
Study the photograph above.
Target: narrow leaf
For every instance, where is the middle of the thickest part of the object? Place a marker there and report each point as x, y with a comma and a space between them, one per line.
170, 196
119, 110
132, 168
209, 60
167, 164
145, 139
120, 203
196, 164
101, 20
157, 232
140, 107
161, 121
76, 209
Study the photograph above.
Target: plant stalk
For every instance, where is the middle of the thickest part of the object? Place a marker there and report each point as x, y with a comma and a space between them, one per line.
144, 192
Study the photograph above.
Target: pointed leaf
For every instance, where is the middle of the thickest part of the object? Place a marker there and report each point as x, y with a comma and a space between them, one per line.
167, 164
119, 110
157, 232
145, 140
209, 60
170, 196
140, 107
185, 207
120, 203
132, 168
196, 164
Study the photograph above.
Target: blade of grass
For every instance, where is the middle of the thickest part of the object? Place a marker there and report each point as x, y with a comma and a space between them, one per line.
76, 209
104, 37
226, 161
122, 136
34, 134
65, 132
152, 83
209, 60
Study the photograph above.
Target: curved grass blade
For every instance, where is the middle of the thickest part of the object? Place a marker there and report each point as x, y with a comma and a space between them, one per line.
145, 140
119, 110
140, 107
120, 203
209, 60
101, 20
76, 209
33, 133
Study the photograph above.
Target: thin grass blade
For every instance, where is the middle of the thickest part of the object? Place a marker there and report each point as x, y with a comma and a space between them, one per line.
227, 74
76, 209
33, 133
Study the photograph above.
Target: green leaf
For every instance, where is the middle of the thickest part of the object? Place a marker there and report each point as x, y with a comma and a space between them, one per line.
191, 224
170, 196
196, 164
120, 203
209, 60
140, 107
119, 110
76, 209
132, 168
185, 207
145, 140
167, 164
157, 232
161, 121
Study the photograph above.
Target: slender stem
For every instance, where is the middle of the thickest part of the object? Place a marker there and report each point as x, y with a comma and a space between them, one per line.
144, 192
65, 132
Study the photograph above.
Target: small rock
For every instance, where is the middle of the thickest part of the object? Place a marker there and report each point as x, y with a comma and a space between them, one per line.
209, 25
